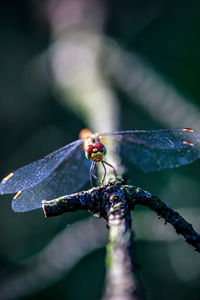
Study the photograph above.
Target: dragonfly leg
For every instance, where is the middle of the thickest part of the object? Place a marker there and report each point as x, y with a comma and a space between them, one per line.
92, 174
104, 171
115, 172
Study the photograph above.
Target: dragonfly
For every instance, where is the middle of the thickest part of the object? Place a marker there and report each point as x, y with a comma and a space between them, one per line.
67, 169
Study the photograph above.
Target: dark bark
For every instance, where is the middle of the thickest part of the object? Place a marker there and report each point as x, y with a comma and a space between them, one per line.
97, 199
113, 202
121, 277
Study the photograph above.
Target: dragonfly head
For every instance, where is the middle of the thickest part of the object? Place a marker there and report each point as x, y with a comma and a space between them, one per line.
95, 152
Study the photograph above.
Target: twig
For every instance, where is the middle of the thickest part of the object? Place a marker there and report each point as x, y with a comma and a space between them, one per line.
139, 196
121, 279
109, 202
96, 199
113, 202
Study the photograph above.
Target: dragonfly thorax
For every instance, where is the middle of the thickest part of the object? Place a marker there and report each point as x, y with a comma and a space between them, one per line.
95, 152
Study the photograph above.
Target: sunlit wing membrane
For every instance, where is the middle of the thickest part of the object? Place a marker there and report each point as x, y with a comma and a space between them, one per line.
32, 174
68, 178
152, 150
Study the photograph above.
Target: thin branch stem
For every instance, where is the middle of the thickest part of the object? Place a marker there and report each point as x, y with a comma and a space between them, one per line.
121, 279
97, 199
139, 196
114, 201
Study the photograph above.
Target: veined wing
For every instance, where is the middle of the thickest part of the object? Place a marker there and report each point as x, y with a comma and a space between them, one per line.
152, 150
67, 178
33, 173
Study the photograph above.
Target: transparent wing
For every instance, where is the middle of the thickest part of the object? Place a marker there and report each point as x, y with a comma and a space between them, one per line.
32, 174
152, 150
69, 177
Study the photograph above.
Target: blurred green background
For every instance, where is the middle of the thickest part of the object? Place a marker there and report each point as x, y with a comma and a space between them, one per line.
106, 65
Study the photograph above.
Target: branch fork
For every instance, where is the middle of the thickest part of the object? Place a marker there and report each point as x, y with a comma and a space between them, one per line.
114, 202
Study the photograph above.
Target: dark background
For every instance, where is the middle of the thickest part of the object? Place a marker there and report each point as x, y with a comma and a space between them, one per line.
165, 35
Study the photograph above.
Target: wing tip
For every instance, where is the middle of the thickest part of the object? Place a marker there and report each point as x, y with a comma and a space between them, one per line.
15, 207
3, 182
189, 129
7, 177
18, 205
1, 188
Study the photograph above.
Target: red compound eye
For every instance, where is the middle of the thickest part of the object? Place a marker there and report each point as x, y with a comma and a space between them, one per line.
89, 149
99, 146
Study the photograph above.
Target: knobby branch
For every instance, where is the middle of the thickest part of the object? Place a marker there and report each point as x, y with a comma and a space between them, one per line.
114, 201
98, 201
